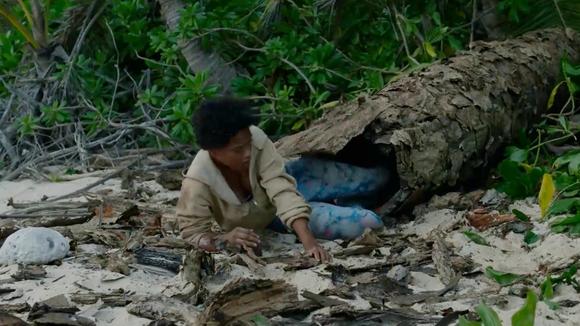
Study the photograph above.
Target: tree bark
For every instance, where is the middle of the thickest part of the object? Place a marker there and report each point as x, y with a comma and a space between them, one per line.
446, 122
220, 72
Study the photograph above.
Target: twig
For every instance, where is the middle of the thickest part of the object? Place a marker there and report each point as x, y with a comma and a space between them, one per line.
5, 142
94, 184
116, 69
7, 111
81, 38
560, 14
62, 214
397, 17
473, 20
286, 61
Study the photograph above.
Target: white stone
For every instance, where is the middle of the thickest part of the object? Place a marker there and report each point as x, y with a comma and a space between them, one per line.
33, 245
398, 273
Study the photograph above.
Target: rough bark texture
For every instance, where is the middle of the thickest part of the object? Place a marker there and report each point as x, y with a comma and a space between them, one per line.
444, 122
218, 69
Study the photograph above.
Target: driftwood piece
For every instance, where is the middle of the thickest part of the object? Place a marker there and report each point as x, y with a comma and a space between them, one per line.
441, 255
117, 298
77, 193
59, 318
42, 214
165, 259
29, 272
57, 304
164, 308
241, 299
483, 219
9, 320
450, 119
162, 322
292, 263
14, 307
410, 299
6, 290
322, 300
386, 316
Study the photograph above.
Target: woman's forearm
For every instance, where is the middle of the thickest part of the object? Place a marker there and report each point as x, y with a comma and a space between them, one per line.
302, 230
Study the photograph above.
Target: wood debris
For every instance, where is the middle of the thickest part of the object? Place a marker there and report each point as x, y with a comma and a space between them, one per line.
9, 320
29, 272
242, 298
483, 219
161, 307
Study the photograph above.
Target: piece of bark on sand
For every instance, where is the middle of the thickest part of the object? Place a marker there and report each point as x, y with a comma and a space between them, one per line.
443, 123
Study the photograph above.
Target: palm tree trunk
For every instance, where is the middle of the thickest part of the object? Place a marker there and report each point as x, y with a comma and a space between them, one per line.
444, 124
220, 72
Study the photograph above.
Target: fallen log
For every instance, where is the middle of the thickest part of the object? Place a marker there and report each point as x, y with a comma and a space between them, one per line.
442, 124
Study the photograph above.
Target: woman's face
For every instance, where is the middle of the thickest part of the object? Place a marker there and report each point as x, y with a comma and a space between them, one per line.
236, 154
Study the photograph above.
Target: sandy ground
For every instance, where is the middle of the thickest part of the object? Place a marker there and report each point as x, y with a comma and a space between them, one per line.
507, 253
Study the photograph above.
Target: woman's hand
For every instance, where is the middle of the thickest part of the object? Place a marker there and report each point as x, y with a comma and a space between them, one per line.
242, 237
315, 250
311, 246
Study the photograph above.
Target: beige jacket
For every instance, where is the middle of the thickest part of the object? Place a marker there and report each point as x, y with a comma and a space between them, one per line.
206, 196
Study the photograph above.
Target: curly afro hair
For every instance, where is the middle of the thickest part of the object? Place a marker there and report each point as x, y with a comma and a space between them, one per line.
216, 121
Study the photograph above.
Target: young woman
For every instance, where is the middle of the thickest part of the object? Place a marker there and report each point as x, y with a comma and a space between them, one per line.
241, 182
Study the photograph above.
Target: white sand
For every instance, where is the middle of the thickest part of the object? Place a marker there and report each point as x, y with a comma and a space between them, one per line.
509, 254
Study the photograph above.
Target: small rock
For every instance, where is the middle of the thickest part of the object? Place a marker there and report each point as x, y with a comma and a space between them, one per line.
111, 277
33, 245
519, 290
398, 273
408, 252
493, 197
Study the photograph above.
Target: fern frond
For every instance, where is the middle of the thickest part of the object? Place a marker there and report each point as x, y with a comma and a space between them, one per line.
546, 15
271, 11
14, 22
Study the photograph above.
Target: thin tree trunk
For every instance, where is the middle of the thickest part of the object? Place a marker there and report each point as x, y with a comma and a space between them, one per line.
219, 70
446, 122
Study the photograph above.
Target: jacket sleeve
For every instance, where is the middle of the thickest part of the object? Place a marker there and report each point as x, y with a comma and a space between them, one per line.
194, 213
280, 186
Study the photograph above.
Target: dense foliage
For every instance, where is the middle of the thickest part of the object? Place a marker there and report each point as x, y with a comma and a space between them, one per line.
296, 58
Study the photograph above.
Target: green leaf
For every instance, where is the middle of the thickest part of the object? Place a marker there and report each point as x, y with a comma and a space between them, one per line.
527, 314
488, 316
466, 322
476, 238
502, 278
517, 154
551, 304
574, 165
520, 215
570, 70
570, 220
553, 94
260, 320
530, 237
547, 288
430, 50
547, 191
565, 205
565, 159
